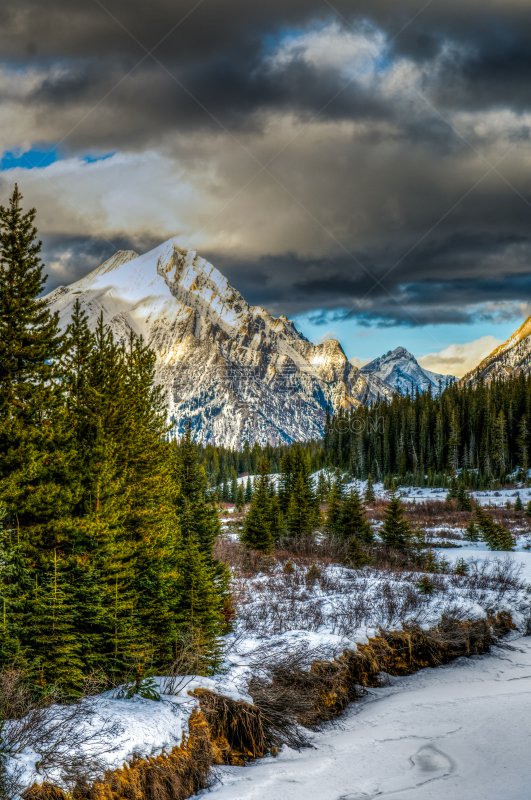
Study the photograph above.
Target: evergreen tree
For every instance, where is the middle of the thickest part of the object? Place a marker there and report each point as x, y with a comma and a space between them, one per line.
472, 533
29, 340
303, 513
518, 506
496, 536
240, 498
55, 656
36, 474
339, 482
286, 481
233, 486
199, 603
463, 499
248, 490
396, 530
16, 584
522, 444
453, 490
333, 511
322, 488
257, 531
197, 519
369, 496
352, 522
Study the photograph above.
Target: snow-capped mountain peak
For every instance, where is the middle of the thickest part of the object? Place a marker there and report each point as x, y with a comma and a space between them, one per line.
236, 371
400, 370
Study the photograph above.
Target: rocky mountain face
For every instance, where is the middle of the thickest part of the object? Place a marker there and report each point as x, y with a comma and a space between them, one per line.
237, 372
510, 358
402, 373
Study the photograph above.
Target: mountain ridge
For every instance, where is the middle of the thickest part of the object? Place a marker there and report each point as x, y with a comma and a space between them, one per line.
402, 372
508, 359
235, 370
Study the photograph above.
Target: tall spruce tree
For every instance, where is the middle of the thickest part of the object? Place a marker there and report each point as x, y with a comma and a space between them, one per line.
259, 524
333, 511
496, 536
36, 478
303, 513
396, 531
352, 522
369, 496
240, 498
200, 526
248, 490
29, 337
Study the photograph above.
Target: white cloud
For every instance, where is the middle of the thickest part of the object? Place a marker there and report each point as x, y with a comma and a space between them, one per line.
458, 359
326, 336
332, 47
358, 362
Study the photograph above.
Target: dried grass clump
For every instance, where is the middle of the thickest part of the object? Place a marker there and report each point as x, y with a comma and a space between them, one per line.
236, 728
171, 776
290, 696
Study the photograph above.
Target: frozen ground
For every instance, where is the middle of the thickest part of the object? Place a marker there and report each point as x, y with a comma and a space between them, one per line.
417, 494
459, 732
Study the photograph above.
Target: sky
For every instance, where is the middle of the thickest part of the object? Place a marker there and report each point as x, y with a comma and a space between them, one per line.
364, 168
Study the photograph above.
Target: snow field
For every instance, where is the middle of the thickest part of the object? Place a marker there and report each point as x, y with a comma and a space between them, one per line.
458, 732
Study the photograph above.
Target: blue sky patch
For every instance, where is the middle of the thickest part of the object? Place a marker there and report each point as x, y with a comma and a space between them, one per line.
28, 159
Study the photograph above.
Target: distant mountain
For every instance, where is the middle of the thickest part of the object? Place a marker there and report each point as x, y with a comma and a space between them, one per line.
402, 373
235, 370
508, 359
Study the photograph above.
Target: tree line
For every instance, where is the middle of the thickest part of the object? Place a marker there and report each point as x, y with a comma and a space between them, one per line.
480, 431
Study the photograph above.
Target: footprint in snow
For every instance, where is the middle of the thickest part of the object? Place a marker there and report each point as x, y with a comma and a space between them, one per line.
428, 764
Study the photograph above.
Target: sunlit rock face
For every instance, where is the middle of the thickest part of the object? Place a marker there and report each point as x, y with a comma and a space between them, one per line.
510, 358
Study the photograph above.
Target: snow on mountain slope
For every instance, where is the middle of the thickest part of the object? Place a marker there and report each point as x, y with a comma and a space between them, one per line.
235, 370
401, 372
510, 358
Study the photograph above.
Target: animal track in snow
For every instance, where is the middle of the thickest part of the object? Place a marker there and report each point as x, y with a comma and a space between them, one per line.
427, 764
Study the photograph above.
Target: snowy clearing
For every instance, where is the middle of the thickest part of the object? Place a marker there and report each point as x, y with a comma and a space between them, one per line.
458, 732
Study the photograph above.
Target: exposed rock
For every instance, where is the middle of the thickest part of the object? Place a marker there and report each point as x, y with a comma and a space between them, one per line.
508, 359
235, 370
400, 370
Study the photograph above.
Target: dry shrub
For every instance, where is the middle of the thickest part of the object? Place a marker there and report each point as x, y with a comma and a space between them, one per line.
61, 732
297, 686
171, 776
405, 652
236, 728
243, 561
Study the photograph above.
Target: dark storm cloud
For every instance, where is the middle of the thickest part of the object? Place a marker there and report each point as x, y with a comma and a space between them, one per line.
393, 192
218, 52
429, 289
69, 258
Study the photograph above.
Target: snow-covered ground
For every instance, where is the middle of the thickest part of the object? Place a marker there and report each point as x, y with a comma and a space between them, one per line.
458, 732
418, 494
332, 608
135, 726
